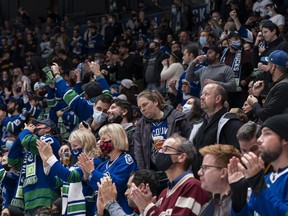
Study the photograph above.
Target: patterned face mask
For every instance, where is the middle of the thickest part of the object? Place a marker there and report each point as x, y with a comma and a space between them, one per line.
106, 147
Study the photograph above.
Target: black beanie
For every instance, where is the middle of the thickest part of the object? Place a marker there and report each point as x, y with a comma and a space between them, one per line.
278, 124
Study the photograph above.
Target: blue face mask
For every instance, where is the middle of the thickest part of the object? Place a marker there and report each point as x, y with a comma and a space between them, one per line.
173, 10
270, 13
8, 144
236, 44
186, 108
99, 117
202, 41
76, 152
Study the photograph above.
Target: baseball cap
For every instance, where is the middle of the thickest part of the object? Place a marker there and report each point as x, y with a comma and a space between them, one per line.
114, 50
47, 122
92, 89
233, 34
127, 83
278, 57
144, 38
175, 42
216, 49
115, 86
39, 85
178, 55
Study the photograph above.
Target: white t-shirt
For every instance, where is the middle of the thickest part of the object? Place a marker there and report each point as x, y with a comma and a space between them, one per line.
278, 19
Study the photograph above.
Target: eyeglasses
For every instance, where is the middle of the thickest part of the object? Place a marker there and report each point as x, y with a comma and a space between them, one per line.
164, 149
204, 168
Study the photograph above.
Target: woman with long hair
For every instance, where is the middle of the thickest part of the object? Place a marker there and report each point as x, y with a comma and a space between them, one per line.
159, 121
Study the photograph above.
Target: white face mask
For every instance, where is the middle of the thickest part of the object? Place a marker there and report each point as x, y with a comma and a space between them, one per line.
99, 117
8, 144
236, 44
187, 108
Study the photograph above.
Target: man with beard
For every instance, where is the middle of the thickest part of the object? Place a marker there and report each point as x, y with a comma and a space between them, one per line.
121, 112
12, 119
40, 89
130, 66
269, 192
216, 72
274, 102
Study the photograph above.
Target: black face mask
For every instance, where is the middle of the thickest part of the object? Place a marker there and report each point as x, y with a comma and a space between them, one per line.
6, 167
151, 50
36, 131
42, 93
72, 82
55, 213
139, 48
10, 111
43, 105
163, 161
118, 119
18, 90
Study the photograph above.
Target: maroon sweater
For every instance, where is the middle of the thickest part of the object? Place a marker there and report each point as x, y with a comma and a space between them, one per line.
185, 198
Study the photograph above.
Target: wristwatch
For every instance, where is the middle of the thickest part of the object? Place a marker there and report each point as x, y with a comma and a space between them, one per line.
111, 202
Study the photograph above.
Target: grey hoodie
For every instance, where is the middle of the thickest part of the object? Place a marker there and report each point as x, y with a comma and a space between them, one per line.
221, 73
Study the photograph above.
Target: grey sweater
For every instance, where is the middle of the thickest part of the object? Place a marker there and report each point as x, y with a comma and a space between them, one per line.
221, 73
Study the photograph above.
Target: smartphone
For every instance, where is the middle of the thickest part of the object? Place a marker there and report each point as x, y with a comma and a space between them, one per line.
85, 124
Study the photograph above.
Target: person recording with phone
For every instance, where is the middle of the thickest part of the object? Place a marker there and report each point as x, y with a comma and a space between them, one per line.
185, 89
172, 70
266, 42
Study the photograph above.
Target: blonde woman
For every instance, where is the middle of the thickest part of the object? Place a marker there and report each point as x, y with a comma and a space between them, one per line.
114, 143
73, 200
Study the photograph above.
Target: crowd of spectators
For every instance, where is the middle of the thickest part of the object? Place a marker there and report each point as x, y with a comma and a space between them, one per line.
147, 115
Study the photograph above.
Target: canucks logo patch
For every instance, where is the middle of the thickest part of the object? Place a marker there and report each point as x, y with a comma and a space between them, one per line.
128, 159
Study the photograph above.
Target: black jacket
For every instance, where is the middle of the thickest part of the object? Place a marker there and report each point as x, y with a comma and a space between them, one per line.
207, 134
276, 102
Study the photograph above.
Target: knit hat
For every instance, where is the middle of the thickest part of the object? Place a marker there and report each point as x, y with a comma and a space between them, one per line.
278, 124
233, 34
